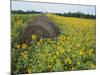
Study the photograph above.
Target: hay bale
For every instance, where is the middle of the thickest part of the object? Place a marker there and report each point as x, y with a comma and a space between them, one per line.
42, 27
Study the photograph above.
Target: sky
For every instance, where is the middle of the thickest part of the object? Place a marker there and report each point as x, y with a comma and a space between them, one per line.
52, 8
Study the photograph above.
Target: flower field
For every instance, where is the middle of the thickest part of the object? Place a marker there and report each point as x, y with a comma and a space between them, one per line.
74, 49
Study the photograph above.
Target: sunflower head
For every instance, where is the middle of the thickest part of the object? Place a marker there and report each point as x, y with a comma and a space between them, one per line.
18, 46
24, 45
34, 37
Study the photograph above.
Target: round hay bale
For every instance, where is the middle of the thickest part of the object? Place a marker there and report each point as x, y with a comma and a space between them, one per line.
41, 27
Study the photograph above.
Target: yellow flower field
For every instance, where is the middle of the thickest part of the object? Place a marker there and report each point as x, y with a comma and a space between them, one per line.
73, 49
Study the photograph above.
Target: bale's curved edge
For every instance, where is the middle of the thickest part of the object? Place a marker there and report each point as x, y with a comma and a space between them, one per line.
42, 27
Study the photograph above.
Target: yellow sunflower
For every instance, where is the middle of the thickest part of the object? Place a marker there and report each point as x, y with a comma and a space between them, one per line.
33, 36
24, 45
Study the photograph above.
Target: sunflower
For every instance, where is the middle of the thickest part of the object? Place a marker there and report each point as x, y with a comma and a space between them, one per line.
24, 45
33, 36
17, 46
69, 62
29, 71
81, 52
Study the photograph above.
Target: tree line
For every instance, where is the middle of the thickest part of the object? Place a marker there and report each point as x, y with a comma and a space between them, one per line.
25, 12
77, 14
69, 14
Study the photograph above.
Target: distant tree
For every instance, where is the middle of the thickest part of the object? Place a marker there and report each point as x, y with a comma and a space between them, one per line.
77, 14
69, 14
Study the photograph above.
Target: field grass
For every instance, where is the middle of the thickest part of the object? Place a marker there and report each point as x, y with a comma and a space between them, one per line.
73, 49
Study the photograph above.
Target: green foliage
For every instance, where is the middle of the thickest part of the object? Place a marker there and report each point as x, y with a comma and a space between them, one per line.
73, 49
